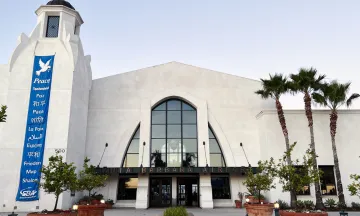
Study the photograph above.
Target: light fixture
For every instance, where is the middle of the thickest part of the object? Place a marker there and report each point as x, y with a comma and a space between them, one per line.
75, 207
276, 205
247, 200
102, 201
276, 210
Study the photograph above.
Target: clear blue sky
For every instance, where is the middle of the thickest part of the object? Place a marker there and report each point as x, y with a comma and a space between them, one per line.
245, 38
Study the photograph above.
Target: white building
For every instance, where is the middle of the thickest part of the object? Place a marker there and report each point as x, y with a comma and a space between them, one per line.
169, 115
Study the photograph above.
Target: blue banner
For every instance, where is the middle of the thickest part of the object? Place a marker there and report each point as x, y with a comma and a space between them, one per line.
34, 143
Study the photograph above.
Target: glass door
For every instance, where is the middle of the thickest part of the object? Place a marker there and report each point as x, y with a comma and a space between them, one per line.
160, 192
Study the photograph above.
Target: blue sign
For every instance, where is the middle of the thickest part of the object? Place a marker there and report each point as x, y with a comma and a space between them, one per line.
34, 143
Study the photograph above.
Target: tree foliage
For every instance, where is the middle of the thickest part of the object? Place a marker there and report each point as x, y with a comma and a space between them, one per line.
294, 177
3, 114
89, 179
58, 176
273, 87
334, 95
262, 180
354, 187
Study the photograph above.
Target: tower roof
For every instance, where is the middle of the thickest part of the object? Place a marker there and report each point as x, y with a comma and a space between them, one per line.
60, 2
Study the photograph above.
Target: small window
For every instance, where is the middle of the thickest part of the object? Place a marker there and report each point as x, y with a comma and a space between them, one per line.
127, 188
220, 187
328, 186
52, 29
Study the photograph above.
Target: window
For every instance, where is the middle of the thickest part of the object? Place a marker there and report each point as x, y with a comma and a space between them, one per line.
220, 187
174, 135
132, 155
216, 156
52, 29
328, 186
127, 188
306, 188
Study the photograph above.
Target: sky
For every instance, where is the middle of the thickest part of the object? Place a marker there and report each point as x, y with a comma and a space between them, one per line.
246, 38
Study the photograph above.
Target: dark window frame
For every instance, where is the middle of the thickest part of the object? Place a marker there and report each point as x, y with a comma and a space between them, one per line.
166, 109
48, 27
327, 181
119, 181
228, 186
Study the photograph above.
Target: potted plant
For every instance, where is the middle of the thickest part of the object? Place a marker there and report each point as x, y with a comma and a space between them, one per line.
88, 181
57, 177
293, 177
238, 203
109, 203
261, 181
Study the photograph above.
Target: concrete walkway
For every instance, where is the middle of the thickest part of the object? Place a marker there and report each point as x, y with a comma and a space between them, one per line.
194, 211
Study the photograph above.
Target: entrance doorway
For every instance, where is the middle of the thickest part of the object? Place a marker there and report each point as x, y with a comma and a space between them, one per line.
160, 192
188, 191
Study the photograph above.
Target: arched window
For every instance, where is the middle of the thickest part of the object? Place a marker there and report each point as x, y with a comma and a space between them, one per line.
174, 135
216, 155
132, 153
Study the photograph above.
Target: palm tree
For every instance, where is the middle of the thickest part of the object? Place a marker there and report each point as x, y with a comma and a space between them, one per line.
274, 87
3, 114
308, 81
334, 95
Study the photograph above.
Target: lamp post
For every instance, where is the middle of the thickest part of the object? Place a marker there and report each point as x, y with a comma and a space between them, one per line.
276, 208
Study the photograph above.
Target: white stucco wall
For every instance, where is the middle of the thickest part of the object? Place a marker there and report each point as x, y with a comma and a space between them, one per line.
347, 138
118, 103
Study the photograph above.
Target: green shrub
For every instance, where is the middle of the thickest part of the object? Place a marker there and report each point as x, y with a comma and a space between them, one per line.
175, 211
97, 196
341, 205
309, 204
355, 205
300, 204
330, 203
283, 204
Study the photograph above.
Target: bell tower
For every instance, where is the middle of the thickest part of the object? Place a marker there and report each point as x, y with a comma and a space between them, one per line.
56, 34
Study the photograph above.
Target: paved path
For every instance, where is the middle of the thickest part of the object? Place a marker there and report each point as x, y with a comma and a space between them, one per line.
195, 211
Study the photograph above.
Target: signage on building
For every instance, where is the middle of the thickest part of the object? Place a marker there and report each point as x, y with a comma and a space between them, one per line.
34, 144
174, 170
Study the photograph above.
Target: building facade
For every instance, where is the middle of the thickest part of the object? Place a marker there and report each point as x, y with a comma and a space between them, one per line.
173, 130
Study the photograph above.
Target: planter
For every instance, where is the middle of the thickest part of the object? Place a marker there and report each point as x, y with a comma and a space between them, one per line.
259, 209
286, 213
95, 202
52, 214
91, 210
108, 205
253, 199
238, 204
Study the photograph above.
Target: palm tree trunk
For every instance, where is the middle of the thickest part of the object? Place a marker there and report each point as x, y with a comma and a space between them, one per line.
308, 113
333, 125
282, 122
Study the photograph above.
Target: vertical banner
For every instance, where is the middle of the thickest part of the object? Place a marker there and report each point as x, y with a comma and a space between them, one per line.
34, 143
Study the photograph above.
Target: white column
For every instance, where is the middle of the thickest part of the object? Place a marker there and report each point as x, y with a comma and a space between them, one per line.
142, 193
206, 200
174, 190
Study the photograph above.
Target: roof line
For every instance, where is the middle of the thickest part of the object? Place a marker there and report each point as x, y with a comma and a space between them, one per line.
177, 63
